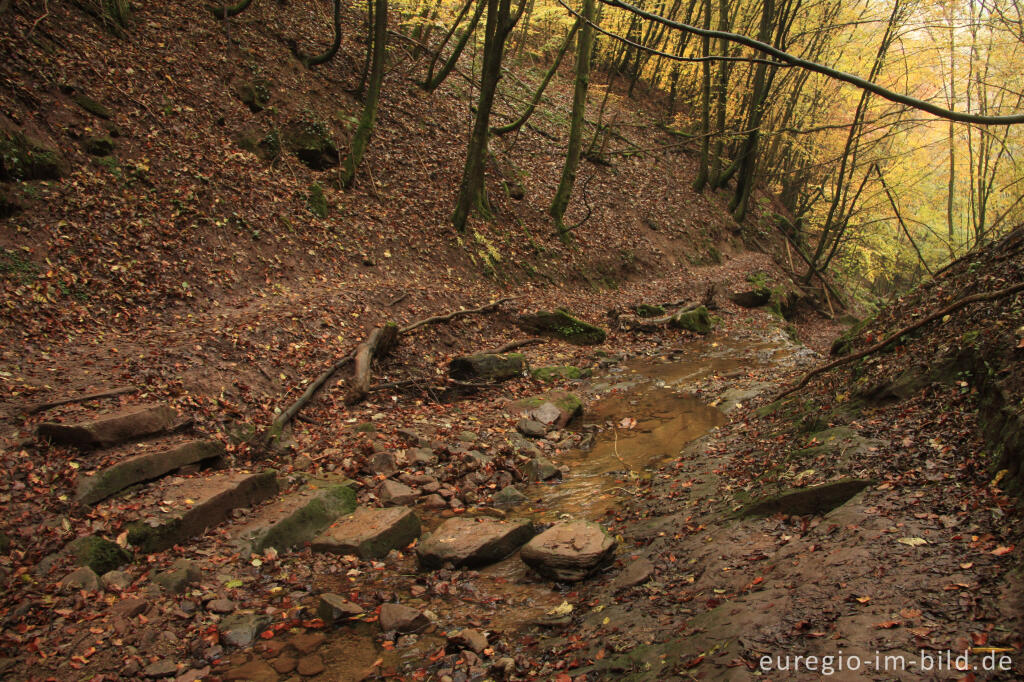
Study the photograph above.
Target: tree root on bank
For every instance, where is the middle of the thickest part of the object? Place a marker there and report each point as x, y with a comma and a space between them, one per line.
42, 407
952, 307
377, 343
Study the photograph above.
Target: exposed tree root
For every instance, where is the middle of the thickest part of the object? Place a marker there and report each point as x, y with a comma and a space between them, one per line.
42, 407
952, 307
378, 344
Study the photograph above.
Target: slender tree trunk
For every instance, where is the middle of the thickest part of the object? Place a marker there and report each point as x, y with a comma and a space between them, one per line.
705, 110
721, 101
361, 88
328, 54
369, 115
432, 82
519, 122
472, 192
579, 104
422, 32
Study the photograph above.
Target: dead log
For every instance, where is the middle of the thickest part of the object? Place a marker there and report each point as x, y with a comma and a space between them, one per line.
284, 418
515, 344
42, 407
378, 344
952, 307
490, 307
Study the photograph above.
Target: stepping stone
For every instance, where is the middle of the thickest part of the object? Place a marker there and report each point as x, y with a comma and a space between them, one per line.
111, 429
394, 494
144, 467
242, 629
172, 512
554, 408
334, 608
370, 533
472, 542
569, 552
541, 469
296, 519
401, 618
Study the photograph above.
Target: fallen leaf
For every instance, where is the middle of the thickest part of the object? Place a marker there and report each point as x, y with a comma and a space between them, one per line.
1000, 551
887, 625
913, 542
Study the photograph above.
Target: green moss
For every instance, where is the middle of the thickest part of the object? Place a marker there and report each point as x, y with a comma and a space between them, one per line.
697, 320
266, 146
307, 522
844, 344
92, 106
98, 554
316, 201
255, 95
561, 324
22, 158
98, 146
644, 310
311, 142
548, 374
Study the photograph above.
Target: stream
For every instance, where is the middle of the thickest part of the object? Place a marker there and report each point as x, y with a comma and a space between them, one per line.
642, 412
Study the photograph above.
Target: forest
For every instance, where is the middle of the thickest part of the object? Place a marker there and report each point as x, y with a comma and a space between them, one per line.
511, 339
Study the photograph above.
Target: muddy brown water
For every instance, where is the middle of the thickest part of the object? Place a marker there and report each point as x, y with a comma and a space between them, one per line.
655, 396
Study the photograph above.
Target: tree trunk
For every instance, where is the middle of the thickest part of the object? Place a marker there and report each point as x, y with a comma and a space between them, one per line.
518, 123
432, 82
705, 110
369, 115
472, 192
328, 54
579, 104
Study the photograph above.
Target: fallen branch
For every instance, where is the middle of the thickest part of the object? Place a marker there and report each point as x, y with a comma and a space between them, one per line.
515, 344
42, 407
282, 420
451, 316
380, 341
952, 307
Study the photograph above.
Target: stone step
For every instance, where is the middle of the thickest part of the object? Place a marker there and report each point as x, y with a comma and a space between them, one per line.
295, 519
156, 460
370, 533
112, 428
176, 509
472, 542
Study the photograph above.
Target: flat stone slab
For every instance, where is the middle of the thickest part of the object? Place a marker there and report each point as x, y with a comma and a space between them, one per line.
111, 429
370, 533
144, 467
295, 519
818, 499
569, 552
177, 509
473, 542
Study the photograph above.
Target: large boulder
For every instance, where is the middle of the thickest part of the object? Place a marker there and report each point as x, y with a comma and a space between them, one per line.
562, 325
697, 320
312, 143
487, 367
472, 542
569, 552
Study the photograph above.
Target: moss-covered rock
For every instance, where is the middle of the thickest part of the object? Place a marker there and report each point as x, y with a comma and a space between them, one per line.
844, 344
644, 310
25, 158
568, 406
548, 374
316, 202
311, 142
752, 298
98, 146
98, 554
697, 320
92, 106
487, 367
254, 94
562, 325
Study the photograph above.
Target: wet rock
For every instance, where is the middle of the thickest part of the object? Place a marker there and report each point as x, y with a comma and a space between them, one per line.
83, 578
541, 469
310, 665
487, 367
393, 493
370, 533
472, 542
531, 428
256, 670
160, 669
473, 640
382, 463
115, 580
182, 574
559, 373
307, 642
242, 629
636, 572
284, 664
542, 408
569, 552
434, 501
508, 497
401, 618
334, 608
110, 429
562, 325
220, 606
